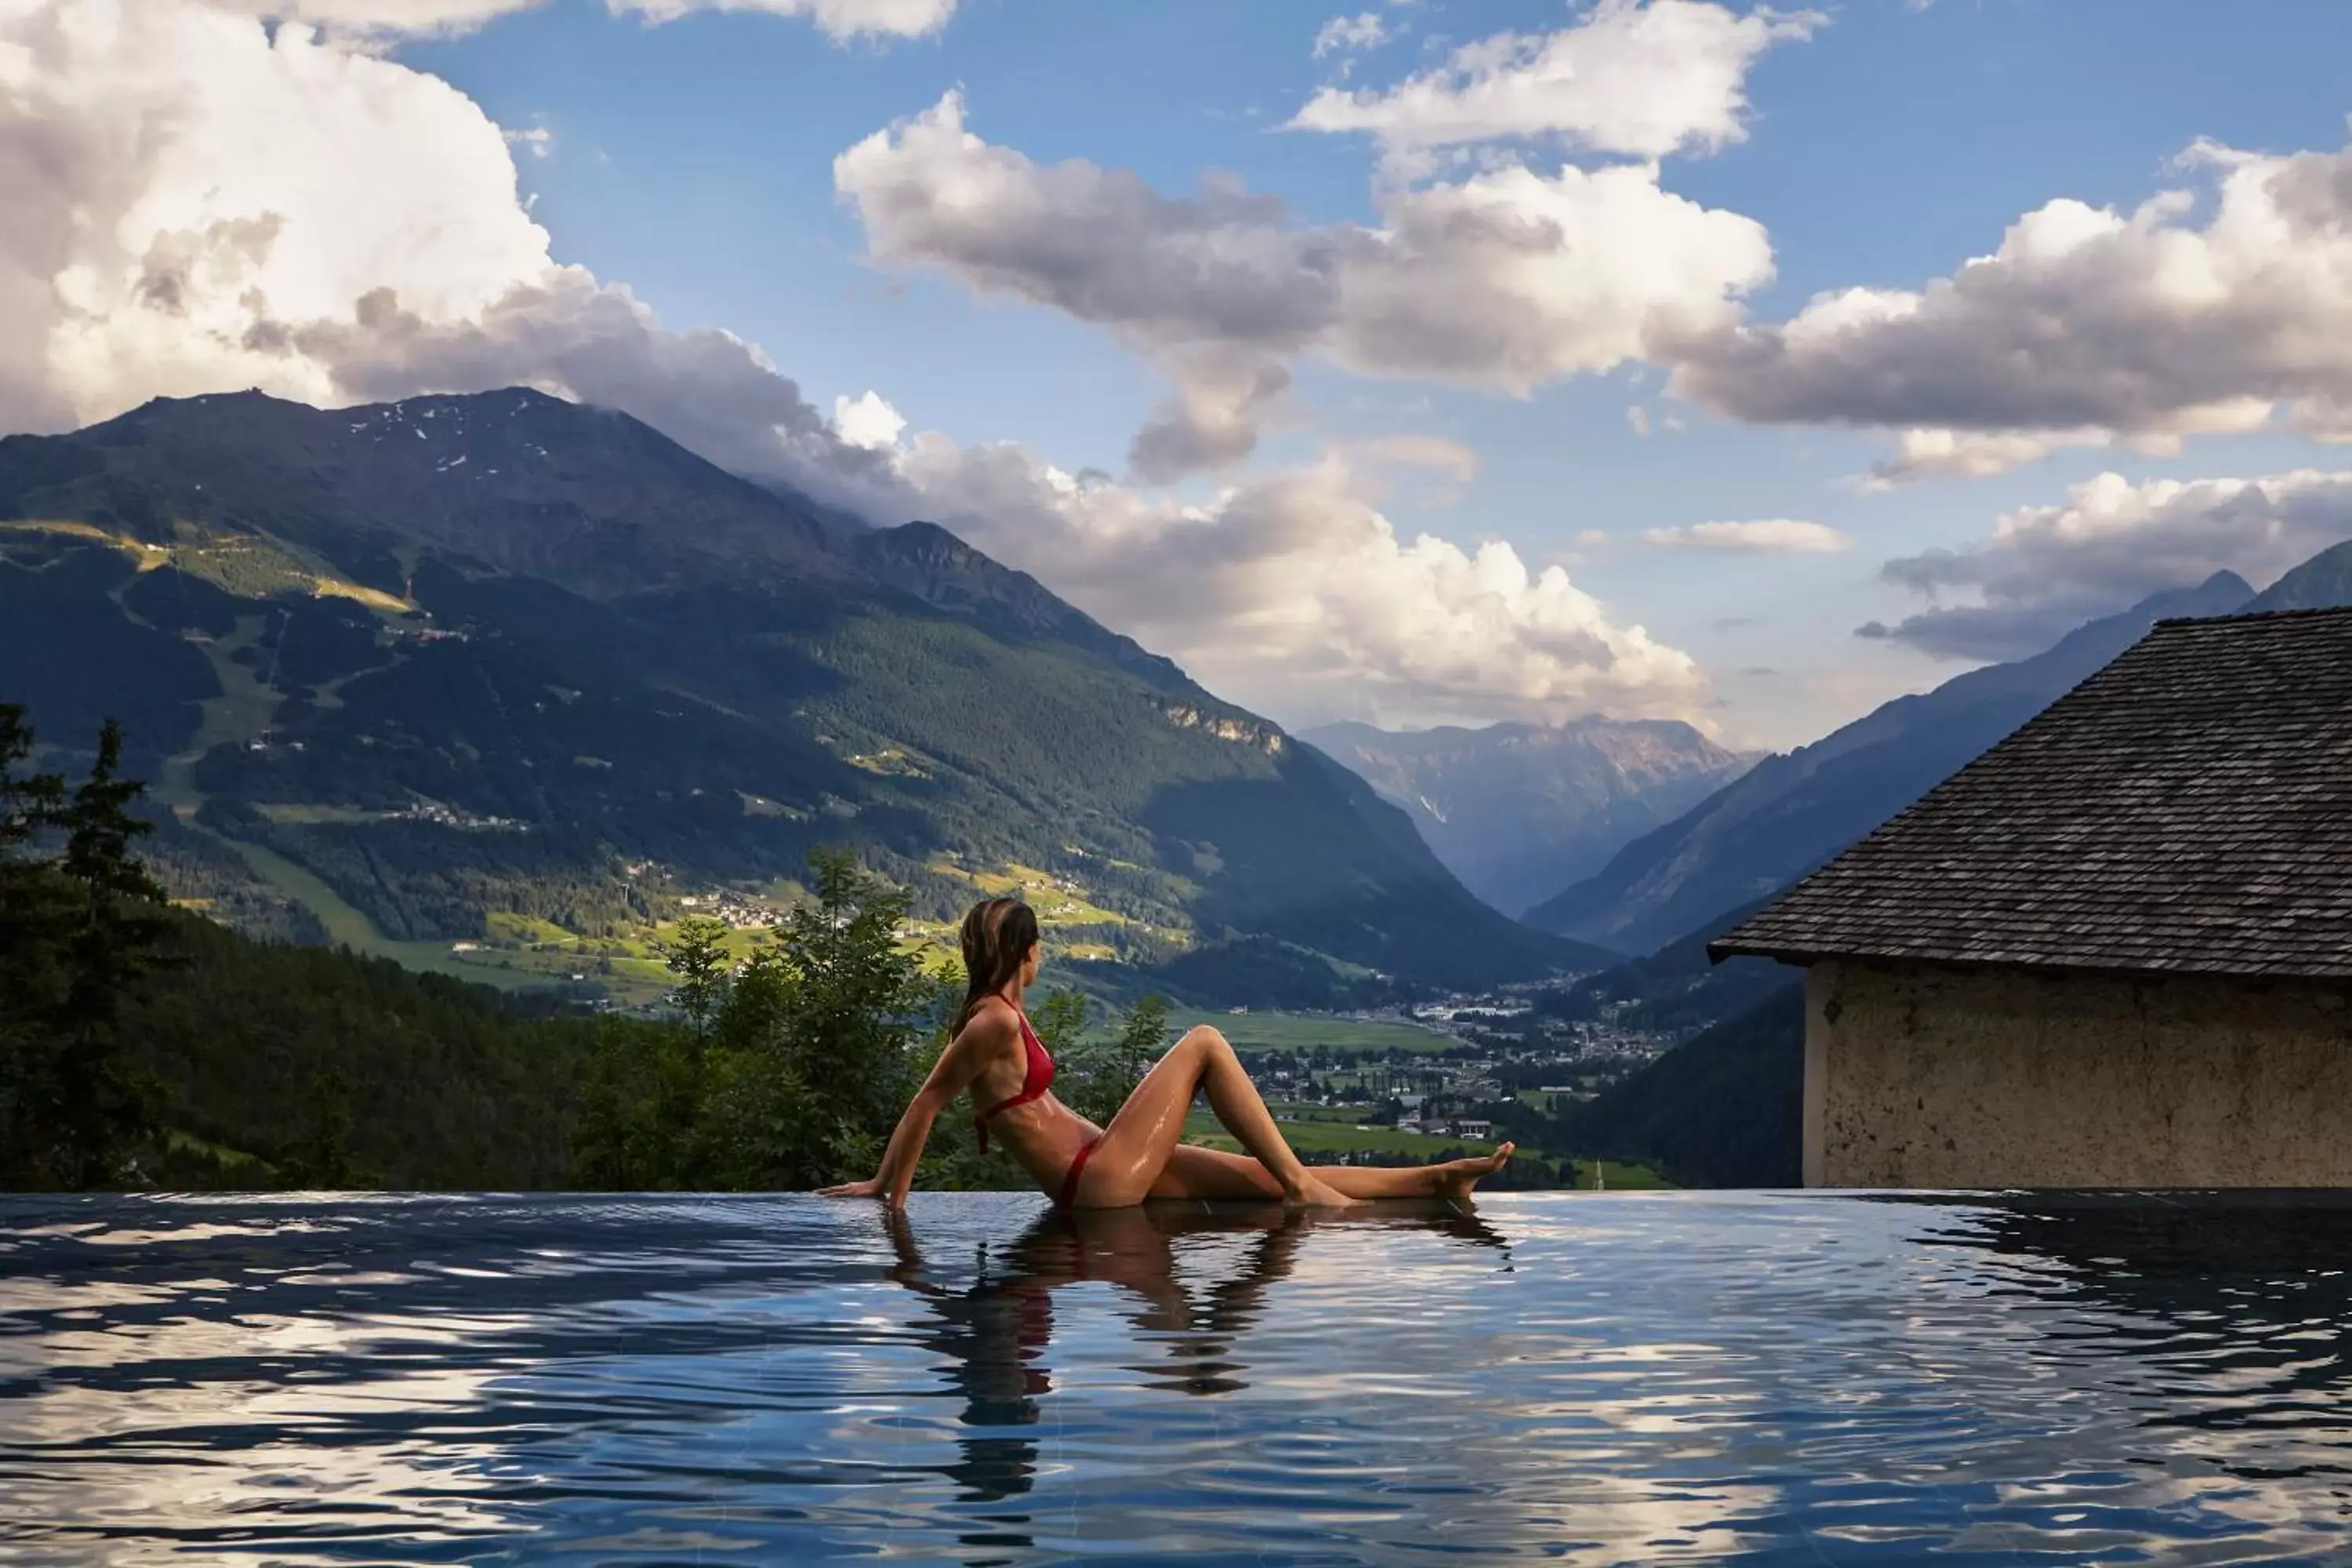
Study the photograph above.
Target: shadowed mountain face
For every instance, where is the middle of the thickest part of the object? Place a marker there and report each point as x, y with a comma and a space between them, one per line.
2321, 583
1723, 1109
503, 657
1517, 811
1792, 812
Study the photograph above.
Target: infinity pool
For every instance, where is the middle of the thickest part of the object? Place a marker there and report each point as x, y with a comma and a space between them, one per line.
1586, 1378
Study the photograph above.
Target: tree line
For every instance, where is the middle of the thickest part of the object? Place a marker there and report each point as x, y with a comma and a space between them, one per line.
140, 1046
81, 923
791, 1066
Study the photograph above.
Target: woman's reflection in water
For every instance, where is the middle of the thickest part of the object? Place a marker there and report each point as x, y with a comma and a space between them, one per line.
994, 1334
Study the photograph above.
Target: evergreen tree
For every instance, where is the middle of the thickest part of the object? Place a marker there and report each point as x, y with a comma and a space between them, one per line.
642, 1109
29, 801
322, 1160
116, 932
32, 919
77, 932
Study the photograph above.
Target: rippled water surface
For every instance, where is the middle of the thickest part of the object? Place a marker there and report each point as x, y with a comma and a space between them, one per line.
1673, 1377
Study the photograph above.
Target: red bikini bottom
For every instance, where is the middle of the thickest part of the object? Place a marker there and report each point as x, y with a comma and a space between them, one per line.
1068, 1196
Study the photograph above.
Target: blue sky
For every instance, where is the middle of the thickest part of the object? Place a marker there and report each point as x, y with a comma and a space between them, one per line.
1879, 145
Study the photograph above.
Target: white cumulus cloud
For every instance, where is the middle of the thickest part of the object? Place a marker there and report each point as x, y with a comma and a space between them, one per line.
1642, 79
868, 420
2199, 310
1294, 594
1506, 280
2045, 569
176, 177
196, 203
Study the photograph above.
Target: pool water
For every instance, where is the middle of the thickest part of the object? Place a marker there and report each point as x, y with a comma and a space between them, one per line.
1799, 1378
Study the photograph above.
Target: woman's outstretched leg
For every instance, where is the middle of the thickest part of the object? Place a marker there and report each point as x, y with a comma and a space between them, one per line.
1136, 1147
1195, 1172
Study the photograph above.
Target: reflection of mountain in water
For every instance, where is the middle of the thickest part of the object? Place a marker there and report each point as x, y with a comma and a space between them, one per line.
995, 1332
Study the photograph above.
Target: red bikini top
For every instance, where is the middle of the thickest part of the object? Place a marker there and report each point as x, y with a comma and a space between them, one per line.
1033, 1085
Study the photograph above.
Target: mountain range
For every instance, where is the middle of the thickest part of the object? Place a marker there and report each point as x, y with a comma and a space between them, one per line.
1723, 1109
457, 665
1520, 811
1791, 812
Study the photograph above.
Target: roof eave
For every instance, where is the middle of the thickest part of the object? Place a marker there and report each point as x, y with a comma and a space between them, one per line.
1729, 947
1805, 957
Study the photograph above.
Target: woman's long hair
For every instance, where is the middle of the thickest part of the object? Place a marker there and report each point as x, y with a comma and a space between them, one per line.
997, 936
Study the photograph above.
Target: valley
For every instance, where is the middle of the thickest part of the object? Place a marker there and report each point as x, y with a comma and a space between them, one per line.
383, 705
380, 709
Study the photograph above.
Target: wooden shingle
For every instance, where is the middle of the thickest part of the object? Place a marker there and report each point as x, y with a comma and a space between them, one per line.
2187, 809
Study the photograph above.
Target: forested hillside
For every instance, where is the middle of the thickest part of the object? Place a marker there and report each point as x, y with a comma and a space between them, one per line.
1726, 1109
511, 673
145, 1047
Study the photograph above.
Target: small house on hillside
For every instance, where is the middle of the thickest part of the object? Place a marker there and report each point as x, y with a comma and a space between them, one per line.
2113, 950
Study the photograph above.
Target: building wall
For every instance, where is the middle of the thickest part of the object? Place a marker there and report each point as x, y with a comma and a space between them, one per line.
1924, 1077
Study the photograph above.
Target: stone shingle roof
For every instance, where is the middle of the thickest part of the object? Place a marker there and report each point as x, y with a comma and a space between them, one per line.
2187, 808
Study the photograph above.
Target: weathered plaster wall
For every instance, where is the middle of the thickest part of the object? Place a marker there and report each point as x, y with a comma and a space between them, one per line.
1921, 1077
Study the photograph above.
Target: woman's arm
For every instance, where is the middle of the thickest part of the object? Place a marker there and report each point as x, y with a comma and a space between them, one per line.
951, 1076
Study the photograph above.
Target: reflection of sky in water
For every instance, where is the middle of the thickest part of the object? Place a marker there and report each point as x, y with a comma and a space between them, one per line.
1584, 1378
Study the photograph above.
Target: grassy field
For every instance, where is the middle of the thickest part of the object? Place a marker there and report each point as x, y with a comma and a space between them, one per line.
1295, 1032
240, 713
302, 813
349, 927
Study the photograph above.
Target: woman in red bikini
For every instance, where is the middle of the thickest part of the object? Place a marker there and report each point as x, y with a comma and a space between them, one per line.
997, 1055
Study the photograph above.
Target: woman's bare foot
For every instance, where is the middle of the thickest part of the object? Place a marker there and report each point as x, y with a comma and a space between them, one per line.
1314, 1193
1455, 1179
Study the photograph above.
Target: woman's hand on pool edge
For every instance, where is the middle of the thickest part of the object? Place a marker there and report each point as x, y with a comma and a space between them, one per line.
870, 1188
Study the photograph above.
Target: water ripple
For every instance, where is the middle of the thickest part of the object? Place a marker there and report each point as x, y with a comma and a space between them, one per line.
1585, 1378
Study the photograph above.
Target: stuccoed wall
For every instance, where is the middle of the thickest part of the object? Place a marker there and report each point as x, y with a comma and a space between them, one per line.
1921, 1077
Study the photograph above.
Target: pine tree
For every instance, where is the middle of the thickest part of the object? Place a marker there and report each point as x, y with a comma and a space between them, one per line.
117, 934
29, 801
33, 921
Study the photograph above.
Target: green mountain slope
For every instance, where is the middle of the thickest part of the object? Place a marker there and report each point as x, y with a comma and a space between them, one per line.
1794, 811
1724, 1110
468, 665
1518, 811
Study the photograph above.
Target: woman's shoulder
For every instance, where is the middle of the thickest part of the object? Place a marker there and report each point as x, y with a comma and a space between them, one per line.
991, 1019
